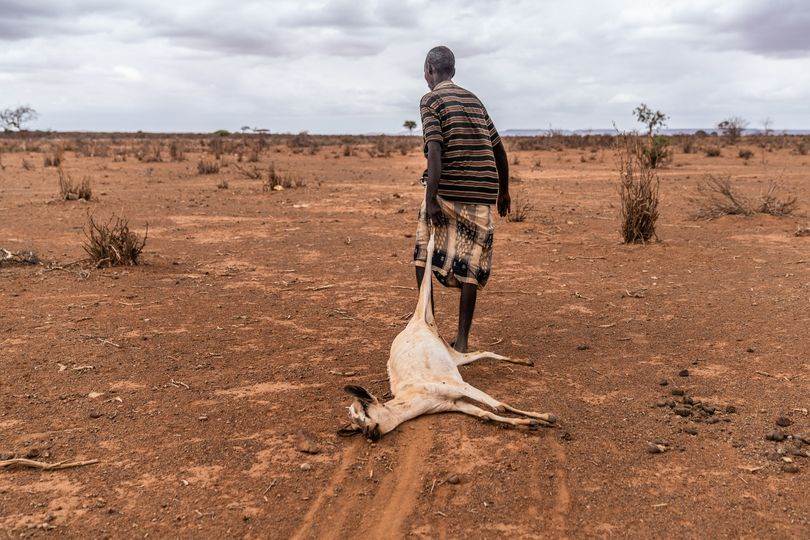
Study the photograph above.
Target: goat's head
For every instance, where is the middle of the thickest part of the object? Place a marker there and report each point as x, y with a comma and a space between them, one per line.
364, 413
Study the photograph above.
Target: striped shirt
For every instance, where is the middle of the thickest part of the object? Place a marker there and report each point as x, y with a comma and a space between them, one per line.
456, 119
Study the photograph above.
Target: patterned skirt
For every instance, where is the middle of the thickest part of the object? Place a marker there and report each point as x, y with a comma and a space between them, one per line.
463, 251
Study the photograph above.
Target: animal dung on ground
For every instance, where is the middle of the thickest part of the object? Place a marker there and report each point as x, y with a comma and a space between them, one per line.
424, 378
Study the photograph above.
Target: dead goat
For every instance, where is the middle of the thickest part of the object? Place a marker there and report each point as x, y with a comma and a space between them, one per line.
424, 378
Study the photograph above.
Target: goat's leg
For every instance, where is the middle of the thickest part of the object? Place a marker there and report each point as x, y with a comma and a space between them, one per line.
467, 358
482, 397
478, 412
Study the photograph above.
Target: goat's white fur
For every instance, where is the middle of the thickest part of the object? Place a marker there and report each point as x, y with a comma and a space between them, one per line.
424, 378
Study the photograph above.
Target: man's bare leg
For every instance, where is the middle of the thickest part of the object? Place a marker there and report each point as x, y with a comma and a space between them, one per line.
420, 273
466, 310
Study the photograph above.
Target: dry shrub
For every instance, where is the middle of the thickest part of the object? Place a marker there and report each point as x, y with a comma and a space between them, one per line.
717, 197
15, 258
713, 151
521, 208
222, 184
27, 165
177, 151
112, 243
278, 181
801, 148
638, 190
55, 158
254, 155
745, 153
348, 151
70, 191
251, 174
205, 166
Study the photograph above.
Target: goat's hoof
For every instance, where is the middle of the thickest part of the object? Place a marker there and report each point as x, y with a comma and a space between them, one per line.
533, 426
552, 419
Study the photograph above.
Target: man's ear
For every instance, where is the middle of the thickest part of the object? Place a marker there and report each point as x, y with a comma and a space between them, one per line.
360, 393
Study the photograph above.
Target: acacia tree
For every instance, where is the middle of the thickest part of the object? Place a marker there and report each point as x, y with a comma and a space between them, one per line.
733, 127
15, 119
409, 125
656, 153
654, 120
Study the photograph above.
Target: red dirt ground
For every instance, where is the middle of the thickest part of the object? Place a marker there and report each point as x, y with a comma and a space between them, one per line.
254, 309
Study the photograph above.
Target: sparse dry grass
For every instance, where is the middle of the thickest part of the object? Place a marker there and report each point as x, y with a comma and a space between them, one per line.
279, 181
638, 191
55, 158
521, 208
112, 243
206, 166
717, 197
71, 191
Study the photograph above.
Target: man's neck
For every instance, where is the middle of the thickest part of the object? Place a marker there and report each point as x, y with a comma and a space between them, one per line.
441, 82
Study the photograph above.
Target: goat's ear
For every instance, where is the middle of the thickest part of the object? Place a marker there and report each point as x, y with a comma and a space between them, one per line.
360, 393
349, 430
373, 435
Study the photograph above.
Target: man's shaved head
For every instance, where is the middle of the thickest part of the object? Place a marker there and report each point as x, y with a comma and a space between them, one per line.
441, 60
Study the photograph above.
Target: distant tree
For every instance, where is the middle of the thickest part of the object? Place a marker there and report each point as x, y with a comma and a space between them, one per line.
732, 128
767, 123
244, 129
657, 152
260, 130
654, 120
15, 119
410, 125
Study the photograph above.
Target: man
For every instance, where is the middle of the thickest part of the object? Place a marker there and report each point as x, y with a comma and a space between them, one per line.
467, 172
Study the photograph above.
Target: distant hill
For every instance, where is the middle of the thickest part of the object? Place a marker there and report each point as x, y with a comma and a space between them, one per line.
681, 131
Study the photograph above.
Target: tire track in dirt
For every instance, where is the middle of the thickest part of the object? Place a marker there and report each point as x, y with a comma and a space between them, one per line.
311, 520
562, 500
397, 495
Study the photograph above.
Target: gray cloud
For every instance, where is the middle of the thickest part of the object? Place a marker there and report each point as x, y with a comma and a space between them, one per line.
355, 66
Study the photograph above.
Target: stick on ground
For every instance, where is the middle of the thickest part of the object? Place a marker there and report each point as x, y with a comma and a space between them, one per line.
30, 463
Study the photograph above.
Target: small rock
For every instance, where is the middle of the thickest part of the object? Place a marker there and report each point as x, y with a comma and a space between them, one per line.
202, 418
6, 455
683, 373
583, 347
653, 448
305, 467
663, 382
682, 411
677, 392
671, 403
95, 414
749, 349
566, 436
731, 409
305, 442
783, 421
708, 409
712, 420
453, 479
690, 431
661, 403
33, 453
687, 400
775, 436
790, 468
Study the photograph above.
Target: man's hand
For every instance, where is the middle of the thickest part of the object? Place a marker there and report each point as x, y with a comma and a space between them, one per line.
434, 211
504, 203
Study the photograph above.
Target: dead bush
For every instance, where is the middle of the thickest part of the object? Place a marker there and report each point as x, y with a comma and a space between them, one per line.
251, 174
205, 166
746, 154
177, 151
17, 258
279, 181
223, 184
55, 158
717, 197
27, 165
71, 191
638, 190
521, 208
112, 243
713, 151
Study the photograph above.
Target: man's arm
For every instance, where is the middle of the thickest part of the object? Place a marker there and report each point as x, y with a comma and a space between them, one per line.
434, 172
502, 162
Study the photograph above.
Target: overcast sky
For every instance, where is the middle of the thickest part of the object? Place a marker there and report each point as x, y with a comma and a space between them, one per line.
355, 66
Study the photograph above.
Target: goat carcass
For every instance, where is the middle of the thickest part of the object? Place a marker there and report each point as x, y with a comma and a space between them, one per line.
424, 377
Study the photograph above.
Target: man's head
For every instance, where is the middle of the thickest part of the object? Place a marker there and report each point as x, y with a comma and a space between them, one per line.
440, 65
